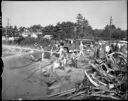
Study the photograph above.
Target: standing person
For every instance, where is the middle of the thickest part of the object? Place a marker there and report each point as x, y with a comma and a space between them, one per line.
51, 52
123, 49
112, 47
60, 52
42, 55
97, 48
116, 47
62, 55
102, 51
119, 46
81, 48
92, 45
107, 49
71, 42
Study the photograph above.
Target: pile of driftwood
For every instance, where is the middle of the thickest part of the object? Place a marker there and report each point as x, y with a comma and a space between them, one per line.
104, 79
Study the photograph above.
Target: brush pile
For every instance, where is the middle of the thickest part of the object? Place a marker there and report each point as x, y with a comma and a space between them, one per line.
104, 79
105, 76
108, 78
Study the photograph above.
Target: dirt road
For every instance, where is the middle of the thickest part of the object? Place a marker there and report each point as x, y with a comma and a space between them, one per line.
22, 78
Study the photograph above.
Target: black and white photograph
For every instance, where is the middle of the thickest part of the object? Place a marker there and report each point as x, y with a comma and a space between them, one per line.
64, 50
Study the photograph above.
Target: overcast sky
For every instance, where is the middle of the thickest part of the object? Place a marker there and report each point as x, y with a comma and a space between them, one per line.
28, 13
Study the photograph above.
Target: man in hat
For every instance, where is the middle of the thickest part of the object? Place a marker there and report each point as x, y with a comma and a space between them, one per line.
62, 55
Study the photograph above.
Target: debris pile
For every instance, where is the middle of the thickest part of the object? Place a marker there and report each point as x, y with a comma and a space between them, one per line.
104, 79
105, 76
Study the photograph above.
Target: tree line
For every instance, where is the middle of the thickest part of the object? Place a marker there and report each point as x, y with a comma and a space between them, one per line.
67, 30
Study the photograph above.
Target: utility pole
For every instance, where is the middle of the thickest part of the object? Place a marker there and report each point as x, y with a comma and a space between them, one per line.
110, 26
75, 29
8, 24
1, 22
8, 20
75, 36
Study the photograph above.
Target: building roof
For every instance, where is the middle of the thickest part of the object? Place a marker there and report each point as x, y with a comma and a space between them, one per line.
48, 36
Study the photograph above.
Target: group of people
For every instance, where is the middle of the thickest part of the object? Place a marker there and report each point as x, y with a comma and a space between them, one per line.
100, 50
105, 48
64, 52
